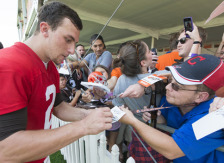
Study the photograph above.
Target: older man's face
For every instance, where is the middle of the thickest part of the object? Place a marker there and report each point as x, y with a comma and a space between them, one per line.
177, 94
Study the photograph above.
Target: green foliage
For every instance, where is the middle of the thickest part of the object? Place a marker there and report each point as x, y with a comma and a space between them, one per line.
57, 157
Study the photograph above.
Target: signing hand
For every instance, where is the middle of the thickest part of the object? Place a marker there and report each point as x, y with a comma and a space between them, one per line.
98, 120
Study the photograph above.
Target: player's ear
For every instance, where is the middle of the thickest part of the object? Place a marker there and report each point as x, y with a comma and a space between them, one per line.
44, 28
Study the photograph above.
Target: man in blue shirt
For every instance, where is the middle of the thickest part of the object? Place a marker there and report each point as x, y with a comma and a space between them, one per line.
99, 56
190, 92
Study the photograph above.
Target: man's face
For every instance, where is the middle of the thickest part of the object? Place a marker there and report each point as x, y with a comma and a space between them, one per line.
62, 82
184, 94
61, 42
81, 50
185, 48
98, 48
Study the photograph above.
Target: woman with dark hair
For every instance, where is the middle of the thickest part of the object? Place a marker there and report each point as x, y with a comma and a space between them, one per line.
135, 58
134, 61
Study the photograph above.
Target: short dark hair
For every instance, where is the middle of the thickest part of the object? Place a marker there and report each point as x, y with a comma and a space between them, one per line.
130, 60
204, 88
79, 45
62, 75
93, 37
173, 41
54, 13
1, 45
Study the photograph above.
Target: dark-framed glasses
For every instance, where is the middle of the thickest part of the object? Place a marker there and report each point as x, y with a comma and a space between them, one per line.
182, 40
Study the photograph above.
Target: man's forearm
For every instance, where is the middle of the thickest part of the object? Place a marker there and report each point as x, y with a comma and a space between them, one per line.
159, 141
66, 112
24, 146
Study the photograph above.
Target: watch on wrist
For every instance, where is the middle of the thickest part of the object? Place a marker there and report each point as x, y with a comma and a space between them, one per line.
147, 90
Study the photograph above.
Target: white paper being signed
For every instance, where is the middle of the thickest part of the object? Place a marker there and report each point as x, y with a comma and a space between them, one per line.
117, 114
208, 124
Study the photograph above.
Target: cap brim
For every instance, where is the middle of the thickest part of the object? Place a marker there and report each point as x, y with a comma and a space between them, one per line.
181, 79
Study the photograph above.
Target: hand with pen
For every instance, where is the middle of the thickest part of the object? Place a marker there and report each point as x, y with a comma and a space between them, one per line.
147, 117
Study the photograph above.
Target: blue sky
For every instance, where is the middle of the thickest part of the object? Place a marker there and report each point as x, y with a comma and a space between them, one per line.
8, 25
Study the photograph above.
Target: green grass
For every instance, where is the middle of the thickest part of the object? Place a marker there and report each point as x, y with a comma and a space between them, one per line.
57, 157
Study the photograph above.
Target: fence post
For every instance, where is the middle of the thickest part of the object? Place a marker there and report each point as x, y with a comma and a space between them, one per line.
81, 147
115, 154
102, 148
130, 160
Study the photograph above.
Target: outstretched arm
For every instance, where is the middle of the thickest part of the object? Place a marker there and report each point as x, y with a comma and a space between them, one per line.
24, 146
159, 141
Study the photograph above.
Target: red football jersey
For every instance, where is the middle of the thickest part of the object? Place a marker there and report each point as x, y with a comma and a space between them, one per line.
25, 82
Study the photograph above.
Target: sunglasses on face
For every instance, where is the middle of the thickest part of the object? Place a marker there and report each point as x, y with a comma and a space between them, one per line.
182, 40
176, 87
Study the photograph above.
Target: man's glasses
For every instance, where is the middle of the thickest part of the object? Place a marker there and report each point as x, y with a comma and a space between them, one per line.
182, 40
176, 87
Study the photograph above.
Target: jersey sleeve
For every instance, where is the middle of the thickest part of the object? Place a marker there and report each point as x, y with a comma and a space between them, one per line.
15, 88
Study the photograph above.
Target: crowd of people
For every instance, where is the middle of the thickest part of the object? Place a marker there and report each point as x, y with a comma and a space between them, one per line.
194, 87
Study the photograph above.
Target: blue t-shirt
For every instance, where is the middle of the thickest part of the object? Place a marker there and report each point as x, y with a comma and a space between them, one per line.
196, 151
105, 59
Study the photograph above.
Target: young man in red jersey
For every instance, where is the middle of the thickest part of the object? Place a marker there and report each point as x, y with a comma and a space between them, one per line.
30, 91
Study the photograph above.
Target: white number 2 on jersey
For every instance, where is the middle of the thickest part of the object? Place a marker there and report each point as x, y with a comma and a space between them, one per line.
50, 90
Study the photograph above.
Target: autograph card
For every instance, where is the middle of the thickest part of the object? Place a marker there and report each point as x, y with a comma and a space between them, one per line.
208, 124
149, 80
117, 114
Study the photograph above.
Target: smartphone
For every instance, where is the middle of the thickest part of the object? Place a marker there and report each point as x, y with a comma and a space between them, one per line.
154, 50
188, 24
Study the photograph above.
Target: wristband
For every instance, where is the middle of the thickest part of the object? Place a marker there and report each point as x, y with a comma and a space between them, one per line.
198, 42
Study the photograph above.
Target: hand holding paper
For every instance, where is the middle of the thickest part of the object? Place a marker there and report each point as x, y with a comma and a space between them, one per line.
208, 124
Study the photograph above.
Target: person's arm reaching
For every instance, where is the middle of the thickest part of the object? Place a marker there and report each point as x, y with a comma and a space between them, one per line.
112, 82
159, 141
133, 91
78, 64
196, 47
24, 146
75, 99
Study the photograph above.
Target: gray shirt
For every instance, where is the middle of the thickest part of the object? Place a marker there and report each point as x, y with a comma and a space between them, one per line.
105, 59
133, 103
